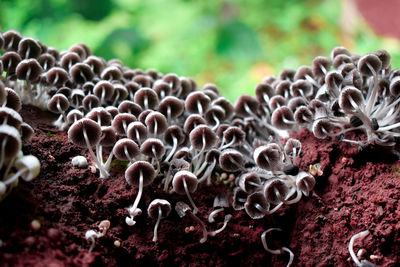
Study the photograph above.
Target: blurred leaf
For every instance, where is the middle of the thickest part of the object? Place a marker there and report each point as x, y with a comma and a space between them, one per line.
92, 9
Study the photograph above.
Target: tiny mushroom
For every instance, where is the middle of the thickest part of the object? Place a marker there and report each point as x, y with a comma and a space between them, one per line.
158, 208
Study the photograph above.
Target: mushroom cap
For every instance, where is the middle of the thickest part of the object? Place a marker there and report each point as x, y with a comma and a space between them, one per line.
235, 134
104, 87
143, 115
203, 137
162, 89
138, 127
214, 114
305, 182
10, 61
226, 105
89, 102
244, 104
301, 88
291, 144
13, 118
58, 103
13, 143
282, 118
283, 88
143, 80
81, 73
173, 80
31, 164
174, 131
322, 127
231, 160
108, 136
319, 62
68, 59
11, 40
183, 153
238, 196
190, 180
302, 72
277, 101
196, 99
57, 76
112, 110
353, 78
275, 191
26, 131
29, 70
74, 115
95, 63
126, 144
268, 156
212, 155
47, 61
251, 203
132, 173
287, 74
76, 132
153, 147
248, 181
333, 79
384, 57
29, 48
394, 86
296, 102
171, 105
367, 62
120, 119
263, 91
144, 95
99, 115
120, 92
192, 121
348, 93
157, 203
127, 106
339, 50
156, 123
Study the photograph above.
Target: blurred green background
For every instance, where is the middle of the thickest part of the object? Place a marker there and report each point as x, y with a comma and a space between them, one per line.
233, 43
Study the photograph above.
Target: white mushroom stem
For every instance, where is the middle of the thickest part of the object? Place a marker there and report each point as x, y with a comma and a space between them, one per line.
189, 197
213, 214
351, 243
155, 238
133, 210
103, 172
174, 147
3, 150
207, 173
228, 217
202, 225
276, 251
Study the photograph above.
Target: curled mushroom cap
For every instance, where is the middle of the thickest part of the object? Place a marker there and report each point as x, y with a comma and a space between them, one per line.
104, 90
10, 117
305, 182
137, 131
121, 122
192, 121
202, 138
153, 147
182, 177
137, 169
323, 127
57, 76
126, 149
256, 205
384, 57
264, 92
58, 103
84, 127
29, 166
162, 89
173, 80
239, 198
26, 131
250, 182
146, 98
10, 143
29, 70
111, 73
246, 106
268, 157
81, 73
171, 106
275, 191
11, 40
350, 99
369, 65
127, 106
29, 48
226, 105
395, 86
10, 61
154, 206
197, 102
231, 160
13, 100
302, 73
321, 65
74, 115
156, 123
100, 115
282, 118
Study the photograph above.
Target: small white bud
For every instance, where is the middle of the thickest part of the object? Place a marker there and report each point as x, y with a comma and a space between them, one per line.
79, 162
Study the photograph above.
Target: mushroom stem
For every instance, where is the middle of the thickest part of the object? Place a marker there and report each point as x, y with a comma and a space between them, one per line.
202, 225
156, 225
226, 220
103, 172
351, 243
189, 197
276, 251
132, 210
213, 214
3, 150
174, 146
14, 177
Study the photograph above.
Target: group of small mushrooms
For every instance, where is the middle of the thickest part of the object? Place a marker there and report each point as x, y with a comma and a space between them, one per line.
183, 137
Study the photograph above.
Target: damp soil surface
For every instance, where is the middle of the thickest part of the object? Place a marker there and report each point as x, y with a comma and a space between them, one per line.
355, 191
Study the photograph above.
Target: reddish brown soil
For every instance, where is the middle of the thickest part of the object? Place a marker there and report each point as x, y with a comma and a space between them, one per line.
357, 191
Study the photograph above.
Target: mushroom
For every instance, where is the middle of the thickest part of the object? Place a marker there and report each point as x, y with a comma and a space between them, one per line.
158, 208
28, 168
363, 263
183, 209
92, 235
185, 182
276, 251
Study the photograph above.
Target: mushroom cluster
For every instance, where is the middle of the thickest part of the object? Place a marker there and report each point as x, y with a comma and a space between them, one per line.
171, 132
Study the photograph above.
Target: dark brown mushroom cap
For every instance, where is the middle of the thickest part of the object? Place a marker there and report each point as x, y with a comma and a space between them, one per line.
215, 114
3, 93
283, 88
305, 182
195, 101
120, 120
10, 61
81, 73
287, 74
90, 101
291, 144
162, 89
1, 41
340, 60
112, 110
302, 72
115, 62
213, 155
127, 106
26, 131
81, 49
173, 80
203, 137
54, 52
108, 136
301, 88
95, 63
333, 79
346, 68
277, 101
211, 86
133, 172
137, 131
347, 95
275, 191
154, 74
368, 62
323, 127
47, 61
120, 92
296, 102
11, 40
13, 143
11, 116
77, 129
245, 104
29, 48
303, 115
210, 93
154, 205
156, 123
68, 59
153, 147
222, 128
178, 182
13, 100
100, 115
384, 88
146, 98
183, 153
252, 202
29, 70
235, 134
77, 96
58, 103
239, 198
125, 149
319, 63
143, 80
172, 132
171, 105
268, 157
339, 50
104, 88
226, 105
231, 160
143, 115
187, 85
250, 182
264, 92
74, 115
384, 57
57, 76
353, 78
282, 118
193, 121
111, 73
394, 86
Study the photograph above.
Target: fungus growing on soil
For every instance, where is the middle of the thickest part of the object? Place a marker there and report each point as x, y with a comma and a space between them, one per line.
185, 182
158, 209
183, 209
92, 234
363, 263
276, 251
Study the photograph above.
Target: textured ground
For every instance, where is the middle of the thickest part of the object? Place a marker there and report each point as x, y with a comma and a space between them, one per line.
355, 191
